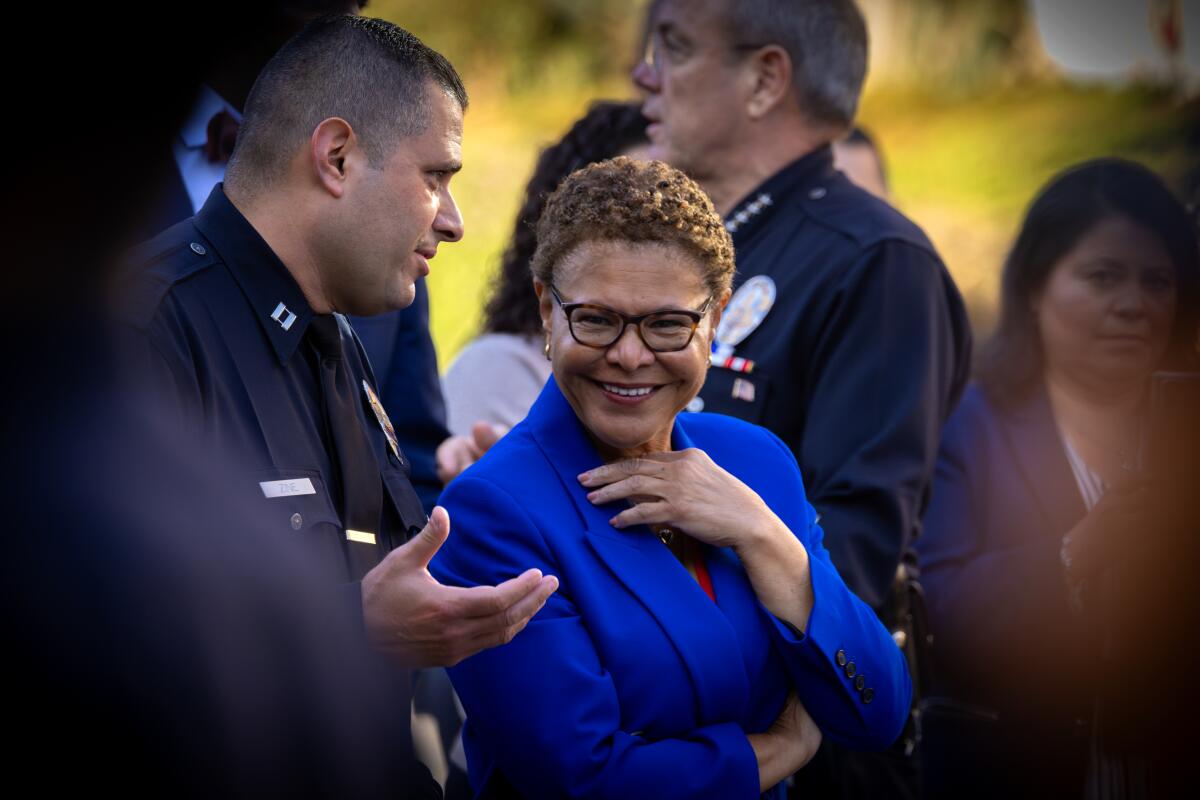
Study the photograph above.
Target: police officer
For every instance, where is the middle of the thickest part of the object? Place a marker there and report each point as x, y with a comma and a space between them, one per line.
845, 335
336, 197
398, 343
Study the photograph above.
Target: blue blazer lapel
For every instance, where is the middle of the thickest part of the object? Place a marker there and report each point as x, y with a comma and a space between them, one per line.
696, 627
1038, 452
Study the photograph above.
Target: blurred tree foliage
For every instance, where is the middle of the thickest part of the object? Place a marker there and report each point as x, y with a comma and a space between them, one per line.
960, 47
524, 44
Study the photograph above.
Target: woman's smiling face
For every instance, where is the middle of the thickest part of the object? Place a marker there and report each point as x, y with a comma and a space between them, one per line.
627, 395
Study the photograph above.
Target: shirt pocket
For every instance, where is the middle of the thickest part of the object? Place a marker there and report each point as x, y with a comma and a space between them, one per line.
739, 394
298, 500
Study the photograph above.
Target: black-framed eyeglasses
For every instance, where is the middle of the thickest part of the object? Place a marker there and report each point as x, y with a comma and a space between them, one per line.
652, 52
664, 331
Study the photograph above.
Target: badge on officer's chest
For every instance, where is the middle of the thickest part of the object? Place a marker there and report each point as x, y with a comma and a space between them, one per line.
746, 310
382, 417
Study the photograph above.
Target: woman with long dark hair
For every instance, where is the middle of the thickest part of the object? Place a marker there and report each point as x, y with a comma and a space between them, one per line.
1038, 508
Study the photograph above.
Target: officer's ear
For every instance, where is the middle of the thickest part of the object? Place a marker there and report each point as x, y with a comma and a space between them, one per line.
332, 146
770, 77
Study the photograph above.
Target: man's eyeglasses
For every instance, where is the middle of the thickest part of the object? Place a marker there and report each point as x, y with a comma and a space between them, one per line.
661, 331
652, 53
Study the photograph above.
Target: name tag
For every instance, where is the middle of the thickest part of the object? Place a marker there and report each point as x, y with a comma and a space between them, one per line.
288, 488
360, 536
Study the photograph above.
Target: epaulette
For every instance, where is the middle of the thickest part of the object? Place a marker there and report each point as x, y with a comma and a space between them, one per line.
154, 267
841, 206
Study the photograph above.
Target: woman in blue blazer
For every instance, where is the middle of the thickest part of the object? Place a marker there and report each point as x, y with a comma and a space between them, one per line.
701, 642
1037, 512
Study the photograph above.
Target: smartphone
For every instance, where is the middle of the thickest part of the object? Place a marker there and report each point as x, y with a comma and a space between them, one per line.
1171, 441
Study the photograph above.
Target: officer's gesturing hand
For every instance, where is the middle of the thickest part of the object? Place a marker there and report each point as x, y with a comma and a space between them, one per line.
421, 623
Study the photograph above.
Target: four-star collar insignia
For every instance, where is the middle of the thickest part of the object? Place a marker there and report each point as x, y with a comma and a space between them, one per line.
748, 212
382, 417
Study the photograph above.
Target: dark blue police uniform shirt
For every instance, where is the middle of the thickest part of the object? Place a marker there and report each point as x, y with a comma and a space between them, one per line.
398, 345
206, 297
857, 364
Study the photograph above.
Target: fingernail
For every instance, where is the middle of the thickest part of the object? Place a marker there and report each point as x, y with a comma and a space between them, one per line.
591, 496
585, 478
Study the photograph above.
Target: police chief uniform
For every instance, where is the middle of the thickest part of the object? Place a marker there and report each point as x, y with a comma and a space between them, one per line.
847, 338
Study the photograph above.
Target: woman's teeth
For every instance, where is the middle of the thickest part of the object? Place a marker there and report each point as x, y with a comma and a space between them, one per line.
608, 387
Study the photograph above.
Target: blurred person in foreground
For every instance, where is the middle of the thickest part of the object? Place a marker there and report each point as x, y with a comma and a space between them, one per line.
702, 642
162, 638
494, 380
336, 197
845, 336
1047, 552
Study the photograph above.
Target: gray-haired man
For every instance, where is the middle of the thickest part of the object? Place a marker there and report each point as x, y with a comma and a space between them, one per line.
846, 335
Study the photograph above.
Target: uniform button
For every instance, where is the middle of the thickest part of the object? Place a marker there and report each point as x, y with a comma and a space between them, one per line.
840, 657
696, 405
297, 522
868, 694
198, 248
860, 682
817, 193
851, 670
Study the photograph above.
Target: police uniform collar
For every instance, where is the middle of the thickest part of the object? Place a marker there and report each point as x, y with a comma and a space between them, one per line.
271, 290
808, 172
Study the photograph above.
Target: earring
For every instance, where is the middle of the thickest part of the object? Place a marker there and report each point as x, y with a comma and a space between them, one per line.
546, 349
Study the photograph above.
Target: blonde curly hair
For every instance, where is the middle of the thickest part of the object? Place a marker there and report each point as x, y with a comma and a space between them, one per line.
624, 200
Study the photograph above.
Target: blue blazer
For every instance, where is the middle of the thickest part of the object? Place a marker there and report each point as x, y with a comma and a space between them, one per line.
631, 682
1010, 654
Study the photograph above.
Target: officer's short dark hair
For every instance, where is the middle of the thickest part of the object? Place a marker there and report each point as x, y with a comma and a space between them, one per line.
371, 73
1064, 211
826, 41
